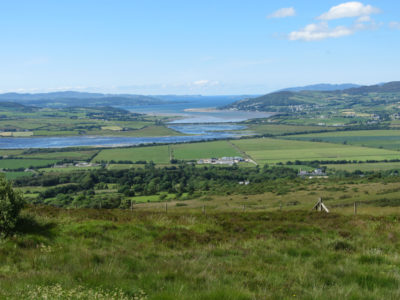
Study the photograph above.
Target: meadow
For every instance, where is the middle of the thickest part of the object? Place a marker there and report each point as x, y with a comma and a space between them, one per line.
295, 254
157, 154
387, 139
193, 151
14, 164
366, 167
279, 129
268, 150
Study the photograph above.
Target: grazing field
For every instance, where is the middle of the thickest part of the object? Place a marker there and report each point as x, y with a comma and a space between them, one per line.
157, 154
194, 151
267, 150
278, 129
238, 255
366, 166
72, 155
388, 139
13, 164
15, 175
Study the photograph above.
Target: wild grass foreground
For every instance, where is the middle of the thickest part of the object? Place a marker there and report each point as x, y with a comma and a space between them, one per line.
119, 254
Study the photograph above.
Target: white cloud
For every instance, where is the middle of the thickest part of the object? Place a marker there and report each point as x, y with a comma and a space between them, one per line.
320, 31
394, 25
205, 83
364, 19
348, 10
283, 13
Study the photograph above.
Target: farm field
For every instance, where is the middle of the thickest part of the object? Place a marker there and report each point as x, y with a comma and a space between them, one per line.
388, 139
278, 129
15, 175
72, 155
25, 163
193, 151
157, 154
267, 150
365, 167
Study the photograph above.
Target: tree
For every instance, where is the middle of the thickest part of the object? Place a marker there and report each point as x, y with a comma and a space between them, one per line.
11, 203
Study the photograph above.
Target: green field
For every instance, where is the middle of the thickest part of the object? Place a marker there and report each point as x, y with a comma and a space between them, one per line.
195, 151
267, 150
73, 155
278, 129
118, 254
157, 154
366, 166
15, 175
388, 139
24, 163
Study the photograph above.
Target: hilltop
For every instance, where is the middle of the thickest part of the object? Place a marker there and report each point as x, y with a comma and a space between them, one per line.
72, 98
280, 101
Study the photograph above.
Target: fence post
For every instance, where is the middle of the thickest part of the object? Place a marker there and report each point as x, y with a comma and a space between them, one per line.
166, 207
355, 208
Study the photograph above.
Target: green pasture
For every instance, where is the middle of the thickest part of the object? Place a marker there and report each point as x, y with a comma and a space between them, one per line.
15, 175
73, 155
388, 139
192, 151
278, 129
157, 154
24, 163
268, 150
365, 167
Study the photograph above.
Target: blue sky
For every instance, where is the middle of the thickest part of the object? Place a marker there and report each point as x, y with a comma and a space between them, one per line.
195, 47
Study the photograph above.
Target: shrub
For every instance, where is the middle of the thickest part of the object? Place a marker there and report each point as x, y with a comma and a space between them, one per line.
11, 203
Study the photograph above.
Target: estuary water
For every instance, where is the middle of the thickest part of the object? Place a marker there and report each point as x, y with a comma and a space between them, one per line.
199, 125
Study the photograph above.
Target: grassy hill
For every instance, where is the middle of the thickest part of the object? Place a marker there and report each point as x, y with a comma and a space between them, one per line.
279, 101
118, 254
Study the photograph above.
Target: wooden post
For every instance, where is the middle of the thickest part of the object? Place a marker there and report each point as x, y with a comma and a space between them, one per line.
166, 207
131, 205
320, 206
355, 208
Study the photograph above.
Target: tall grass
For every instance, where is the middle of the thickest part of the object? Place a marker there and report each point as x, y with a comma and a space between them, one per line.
246, 255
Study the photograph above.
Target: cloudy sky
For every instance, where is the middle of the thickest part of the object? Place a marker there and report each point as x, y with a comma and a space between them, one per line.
195, 47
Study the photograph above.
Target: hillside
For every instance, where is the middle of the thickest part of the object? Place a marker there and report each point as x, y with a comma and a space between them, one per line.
281, 101
119, 254
71, 98
322, 87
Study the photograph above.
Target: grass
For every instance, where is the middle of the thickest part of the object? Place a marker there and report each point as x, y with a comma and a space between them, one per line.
267, 150
73, 155
387, 139
15, 175
365, 167
24, 163
275, 255
157, 154
278, 129
204, 150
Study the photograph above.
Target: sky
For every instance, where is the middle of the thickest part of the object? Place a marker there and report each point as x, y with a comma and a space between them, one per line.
204, 47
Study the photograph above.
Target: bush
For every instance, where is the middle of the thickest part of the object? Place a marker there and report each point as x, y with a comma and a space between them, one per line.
11, 203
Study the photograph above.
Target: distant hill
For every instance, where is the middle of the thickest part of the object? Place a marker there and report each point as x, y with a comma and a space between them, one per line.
322, 87
71, 98
390, 87
280, 101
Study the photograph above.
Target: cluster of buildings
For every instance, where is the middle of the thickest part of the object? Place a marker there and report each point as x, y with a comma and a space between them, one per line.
221, 161
76, 164
312, 174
